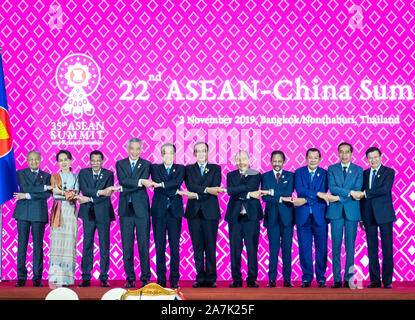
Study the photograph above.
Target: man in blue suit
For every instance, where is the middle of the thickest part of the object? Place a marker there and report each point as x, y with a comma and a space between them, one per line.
243, 215
310, 217
167, 213
378, 214
345, 179
278, 185
31, 212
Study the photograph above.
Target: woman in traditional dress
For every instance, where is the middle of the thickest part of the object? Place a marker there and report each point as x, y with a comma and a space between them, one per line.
63, 223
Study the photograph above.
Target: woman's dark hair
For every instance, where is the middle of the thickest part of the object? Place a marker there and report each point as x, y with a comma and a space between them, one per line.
68, 154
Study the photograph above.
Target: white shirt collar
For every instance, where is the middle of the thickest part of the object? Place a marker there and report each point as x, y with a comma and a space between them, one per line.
133, 161
309, 170
34, 171
345, 165
275, 172
99, 172
377, 169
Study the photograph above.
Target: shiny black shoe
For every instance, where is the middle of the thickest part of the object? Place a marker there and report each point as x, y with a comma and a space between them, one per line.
130, 284
271, 284
210, 285
174, 285
37, 283
162, 283
20, 283
306, 284
84, 283
288, 284
387, 286
236, 284
252, 284
374, 285
322, 284
197, 285
336, 285
104, 284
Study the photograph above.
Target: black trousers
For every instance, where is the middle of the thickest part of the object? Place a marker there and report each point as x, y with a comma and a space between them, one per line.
204, 233
38, 231
171, 226
90, 226
141, 226
244, 231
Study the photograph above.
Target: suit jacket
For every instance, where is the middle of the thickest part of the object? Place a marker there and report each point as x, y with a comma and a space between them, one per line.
172, 183
238, 188
307, 189
102, 206
197, 183
379, 198
341, 187
128, 179
35, 209
274, 208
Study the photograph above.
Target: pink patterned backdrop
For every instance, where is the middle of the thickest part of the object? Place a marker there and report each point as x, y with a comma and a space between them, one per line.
211, 40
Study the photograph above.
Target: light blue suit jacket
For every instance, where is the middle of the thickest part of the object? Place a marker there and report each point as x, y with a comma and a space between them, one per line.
341, 187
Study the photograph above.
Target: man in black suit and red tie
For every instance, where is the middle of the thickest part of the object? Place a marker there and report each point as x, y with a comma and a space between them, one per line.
378, 213
166, 213
203, 181
243, 215
96, 212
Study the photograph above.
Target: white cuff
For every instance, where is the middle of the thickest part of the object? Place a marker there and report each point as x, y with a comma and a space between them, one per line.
28, 197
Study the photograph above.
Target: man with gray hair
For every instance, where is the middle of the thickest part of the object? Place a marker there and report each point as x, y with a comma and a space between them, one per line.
243, 215
31, 213
134, 210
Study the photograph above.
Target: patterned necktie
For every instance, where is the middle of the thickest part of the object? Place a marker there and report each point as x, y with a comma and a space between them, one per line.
34, 174
373, 178
277, 177
132, 166
311, 175
95, 180
202, 170
344, 172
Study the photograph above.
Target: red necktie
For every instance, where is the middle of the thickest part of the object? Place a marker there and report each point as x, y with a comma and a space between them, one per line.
278, 177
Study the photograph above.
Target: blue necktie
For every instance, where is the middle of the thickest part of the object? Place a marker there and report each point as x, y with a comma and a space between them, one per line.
311, 175
373, 178
95, 180
202, 169
132, 166
168, 170
344, 172
168, 200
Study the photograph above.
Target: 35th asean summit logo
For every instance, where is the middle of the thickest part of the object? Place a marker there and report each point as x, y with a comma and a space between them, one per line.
6, 142
78, 76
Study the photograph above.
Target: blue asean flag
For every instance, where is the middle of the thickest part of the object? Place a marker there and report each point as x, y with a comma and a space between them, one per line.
8, 180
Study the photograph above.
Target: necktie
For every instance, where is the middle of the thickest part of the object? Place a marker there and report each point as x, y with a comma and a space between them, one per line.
344, 172
95, 179
311, 175
132, 166
34, 174
168, 170
373, 178
278, 177
202, 169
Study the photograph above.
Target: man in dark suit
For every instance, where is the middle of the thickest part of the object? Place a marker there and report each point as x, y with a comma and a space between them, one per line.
378, 213
344, 180
310, 217
31, 213
243, 214
134, 210
167, 213
203, 181
96, 212
279, 217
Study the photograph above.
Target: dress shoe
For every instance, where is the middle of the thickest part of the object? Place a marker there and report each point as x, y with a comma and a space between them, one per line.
84, 283
252, 284
37, 283
20, 283
349, 285
306, 284
288, 284
387, 286
322, 284
197, 285
130, 284
210, 285
162, 283
374, 285
104, 284
271, 284
336, 285
237, 284
174, 285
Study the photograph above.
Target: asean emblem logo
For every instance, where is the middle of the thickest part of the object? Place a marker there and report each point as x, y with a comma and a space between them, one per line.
78, 76
6, 141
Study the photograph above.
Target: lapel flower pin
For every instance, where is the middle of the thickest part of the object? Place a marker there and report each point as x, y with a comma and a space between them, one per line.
282, 176
246, 175
174, 170
206, 170
318, 174
378, 175
101, 176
